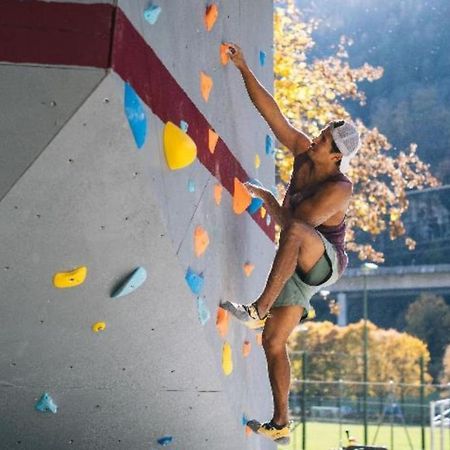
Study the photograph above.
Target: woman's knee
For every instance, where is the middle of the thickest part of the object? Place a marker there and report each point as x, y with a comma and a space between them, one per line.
273, 344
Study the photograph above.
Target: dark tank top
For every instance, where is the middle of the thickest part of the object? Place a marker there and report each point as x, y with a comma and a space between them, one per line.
335, 234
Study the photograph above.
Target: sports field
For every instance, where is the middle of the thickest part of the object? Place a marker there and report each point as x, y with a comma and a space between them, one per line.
325, 436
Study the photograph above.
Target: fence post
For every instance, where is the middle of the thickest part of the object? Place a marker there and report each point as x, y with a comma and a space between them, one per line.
422, 402
304, 372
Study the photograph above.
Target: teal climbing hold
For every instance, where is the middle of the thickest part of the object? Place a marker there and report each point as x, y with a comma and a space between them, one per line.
46, 404
131, 283
152, 13
191, 186
165, 440
195, 281
262, 57
270, 147
135, 114
244, 419
203, 312
184, 125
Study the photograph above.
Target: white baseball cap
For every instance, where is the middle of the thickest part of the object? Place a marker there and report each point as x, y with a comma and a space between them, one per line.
347, 140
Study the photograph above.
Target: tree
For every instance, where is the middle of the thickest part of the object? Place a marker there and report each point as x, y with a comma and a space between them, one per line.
310, 94
446, 366
428, 318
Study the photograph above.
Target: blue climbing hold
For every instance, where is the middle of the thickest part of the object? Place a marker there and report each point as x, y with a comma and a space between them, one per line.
195, 281
165, 440
46, 404
191, 186
136, 115
203, 312
131, 283
255, 205
152, 13
268, 220
270, 147
184, 125
244, 419
262, 57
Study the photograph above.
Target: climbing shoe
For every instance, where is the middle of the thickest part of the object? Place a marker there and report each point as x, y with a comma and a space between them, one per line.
277, 433
248, 314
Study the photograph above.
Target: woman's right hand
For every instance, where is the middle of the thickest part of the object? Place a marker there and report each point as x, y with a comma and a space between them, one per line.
236, 55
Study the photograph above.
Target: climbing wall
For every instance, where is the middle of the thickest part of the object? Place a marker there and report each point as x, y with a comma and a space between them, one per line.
123, 223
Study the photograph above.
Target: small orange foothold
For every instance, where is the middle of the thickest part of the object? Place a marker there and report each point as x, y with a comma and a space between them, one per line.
246, 348
222, 321
218, 188
201, 240
213, 137
241, 197
258, 337
263, 212
248, 430
224, 56
248, 269
211, 14
206, 84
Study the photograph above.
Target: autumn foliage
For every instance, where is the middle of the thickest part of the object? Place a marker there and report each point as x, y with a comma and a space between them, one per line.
310, 94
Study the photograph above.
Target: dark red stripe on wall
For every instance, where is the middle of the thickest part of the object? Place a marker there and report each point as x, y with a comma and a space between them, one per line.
100, 35
39, 32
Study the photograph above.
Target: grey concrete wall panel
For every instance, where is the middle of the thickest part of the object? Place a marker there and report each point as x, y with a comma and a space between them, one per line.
154, 370
36, 103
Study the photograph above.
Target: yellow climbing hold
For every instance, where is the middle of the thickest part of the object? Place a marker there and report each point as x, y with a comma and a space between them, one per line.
227, 359
211, 14
213, 137
246, 348
98, 326
206, 84
201, 240
257, 161
218, 188
248, 268
70, 279
241, 197
179, 148
263, 212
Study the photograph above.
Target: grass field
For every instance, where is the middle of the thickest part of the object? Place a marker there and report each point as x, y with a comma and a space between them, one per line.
325, 436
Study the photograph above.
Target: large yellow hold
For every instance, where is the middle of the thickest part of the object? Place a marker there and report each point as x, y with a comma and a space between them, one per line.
70, 279
179, 148
227, 359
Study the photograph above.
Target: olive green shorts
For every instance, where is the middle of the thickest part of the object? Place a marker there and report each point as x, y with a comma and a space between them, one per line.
299, 289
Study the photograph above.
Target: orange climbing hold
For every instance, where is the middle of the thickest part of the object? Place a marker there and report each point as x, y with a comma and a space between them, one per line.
248, 430
241, 197
218, 188
224, 56
248, 268
213, 137
222, 321
227, 359
263, 212
246, 348
258, 337
211, 14
206, 84
179, 148
201, 240
70, 279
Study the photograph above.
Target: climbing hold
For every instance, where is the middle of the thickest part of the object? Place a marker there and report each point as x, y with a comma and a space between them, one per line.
135, 114
191, 185
227, 359
262, 57
263, 212
203, 312
270, 147
70, 279
213, 137
201, 240
179, 148
255, 204
184, 125
195, 281
206, 84
46, 404
268, 220
248, 430
152, 13
222, 321
165, 440
218, 188
224, 56
98, 326
241, 197
244, 419
211, 14
246, 348
248, 269
257, 161
131, 283
258, 337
